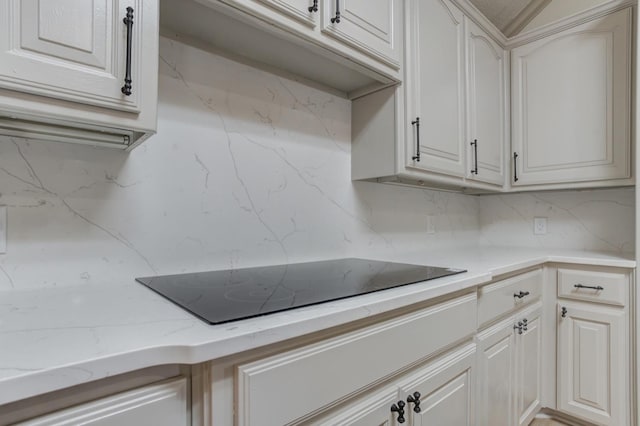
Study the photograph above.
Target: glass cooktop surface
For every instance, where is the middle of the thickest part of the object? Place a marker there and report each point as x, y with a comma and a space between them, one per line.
222, 296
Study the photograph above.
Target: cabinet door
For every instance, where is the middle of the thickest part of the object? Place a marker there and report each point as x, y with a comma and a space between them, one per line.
485, 106
372, 411
446, 388
435, 91
591, 363
528, 366
496, 375
164, 404
373, 26
71, 49
571, 103
302, 10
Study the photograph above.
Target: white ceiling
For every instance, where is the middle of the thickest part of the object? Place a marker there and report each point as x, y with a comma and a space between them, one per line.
510, 16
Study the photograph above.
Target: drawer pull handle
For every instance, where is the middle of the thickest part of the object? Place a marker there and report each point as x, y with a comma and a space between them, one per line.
399, 409
521, 294
128, 21
415, 399
563, 312
313, 8
593, 287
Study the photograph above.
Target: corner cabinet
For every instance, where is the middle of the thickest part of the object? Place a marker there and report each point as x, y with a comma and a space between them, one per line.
593, 345
76, 64
571, 104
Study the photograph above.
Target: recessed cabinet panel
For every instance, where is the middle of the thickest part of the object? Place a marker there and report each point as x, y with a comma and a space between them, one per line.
372, 411
446, 392
496, 376
571, 103
298, 9
591, 366
486, 106
529, 367
369, 25
71, 49
163, 404
435, 88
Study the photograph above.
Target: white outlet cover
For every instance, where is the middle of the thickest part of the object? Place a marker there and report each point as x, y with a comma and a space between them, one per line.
3, 229
539, 225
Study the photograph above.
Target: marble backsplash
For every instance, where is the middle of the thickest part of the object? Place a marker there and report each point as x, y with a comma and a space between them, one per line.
248, 168
589, 220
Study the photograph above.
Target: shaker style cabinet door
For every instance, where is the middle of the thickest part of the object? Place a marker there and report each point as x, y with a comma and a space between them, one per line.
591, 363
435, 87
372, 26
571, 97
486, 113
74, 50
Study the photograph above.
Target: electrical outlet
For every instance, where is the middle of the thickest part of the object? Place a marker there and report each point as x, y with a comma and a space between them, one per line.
539, 225
3, 229
431, 224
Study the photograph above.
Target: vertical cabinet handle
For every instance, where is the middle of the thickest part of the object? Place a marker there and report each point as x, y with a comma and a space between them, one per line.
474, 144
336, 19
417, 124
515, 166
399, 409
563, 312
128, 21
524, 324
415, 400
314, 8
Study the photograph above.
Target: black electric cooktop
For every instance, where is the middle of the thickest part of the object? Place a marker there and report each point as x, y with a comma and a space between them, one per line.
222, 296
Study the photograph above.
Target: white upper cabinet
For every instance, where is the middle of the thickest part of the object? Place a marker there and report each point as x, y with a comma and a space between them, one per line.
368, 25
486, 112
79, 70
571, 99
70, 49
435, 88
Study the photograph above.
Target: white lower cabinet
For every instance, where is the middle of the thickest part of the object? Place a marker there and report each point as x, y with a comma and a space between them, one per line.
440, 393
509, 370
592, 367
275, 390
163, 404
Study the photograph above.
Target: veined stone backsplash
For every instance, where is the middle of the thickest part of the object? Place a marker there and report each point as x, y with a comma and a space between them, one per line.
247, 168
590, 220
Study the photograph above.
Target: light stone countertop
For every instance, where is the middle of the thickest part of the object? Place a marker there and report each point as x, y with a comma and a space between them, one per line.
55, 338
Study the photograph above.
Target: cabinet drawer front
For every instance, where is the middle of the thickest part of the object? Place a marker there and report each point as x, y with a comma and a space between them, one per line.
498, 299
610, 287
164, 404
285, 387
